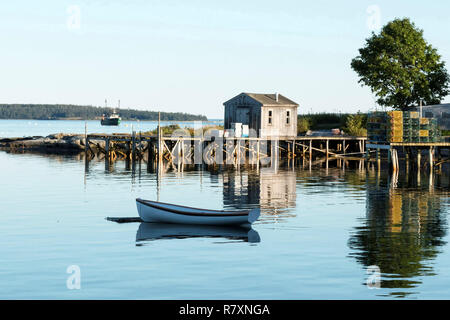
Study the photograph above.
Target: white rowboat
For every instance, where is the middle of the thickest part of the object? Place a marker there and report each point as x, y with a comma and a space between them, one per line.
153, 211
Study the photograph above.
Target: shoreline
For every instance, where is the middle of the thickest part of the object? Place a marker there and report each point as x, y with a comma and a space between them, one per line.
212, 120
54, 143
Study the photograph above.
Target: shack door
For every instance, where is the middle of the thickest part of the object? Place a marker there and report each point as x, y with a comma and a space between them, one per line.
243, 115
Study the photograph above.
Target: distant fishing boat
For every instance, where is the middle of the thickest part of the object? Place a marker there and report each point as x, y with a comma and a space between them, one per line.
153, 211
111, 119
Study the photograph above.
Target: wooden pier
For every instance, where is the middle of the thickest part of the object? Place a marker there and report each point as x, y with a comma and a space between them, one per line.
412, 152
190, 150
203, 149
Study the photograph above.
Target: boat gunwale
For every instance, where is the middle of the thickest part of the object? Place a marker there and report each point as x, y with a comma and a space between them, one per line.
214, 213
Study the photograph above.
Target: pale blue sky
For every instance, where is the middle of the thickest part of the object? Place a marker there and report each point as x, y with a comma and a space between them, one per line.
191, 56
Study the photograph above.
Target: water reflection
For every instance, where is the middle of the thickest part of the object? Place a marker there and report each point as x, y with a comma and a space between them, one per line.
270, 189
157, 231
403, 230
274, 192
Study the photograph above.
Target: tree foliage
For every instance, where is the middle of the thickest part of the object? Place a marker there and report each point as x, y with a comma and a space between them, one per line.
356, 125
52, 112
303, 124
401, 68
321, 121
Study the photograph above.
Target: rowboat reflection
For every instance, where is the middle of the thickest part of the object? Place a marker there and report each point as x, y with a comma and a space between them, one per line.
158, 231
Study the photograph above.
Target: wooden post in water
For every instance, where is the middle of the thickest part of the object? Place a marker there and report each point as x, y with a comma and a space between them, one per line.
182, 154
107, 148
407, 152
238, 151
107, 155
439, 156
150, 154
397, 163
310, 155
419, 154
378, 159
257, 151
293, 154
274, 152
431, 151
389, 158
293, 148
288, 151
133, 144
86, 148
394, 159
310, 150
159, 139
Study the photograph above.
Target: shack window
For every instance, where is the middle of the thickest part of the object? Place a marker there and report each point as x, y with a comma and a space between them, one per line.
270, 117
288, 117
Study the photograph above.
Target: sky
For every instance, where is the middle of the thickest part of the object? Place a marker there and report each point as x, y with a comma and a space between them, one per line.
191, 56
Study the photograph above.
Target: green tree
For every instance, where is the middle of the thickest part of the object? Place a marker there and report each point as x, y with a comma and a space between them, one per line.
356, 125
303, 124
401, 68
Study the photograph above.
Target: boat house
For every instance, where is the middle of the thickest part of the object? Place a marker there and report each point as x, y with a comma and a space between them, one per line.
269, 115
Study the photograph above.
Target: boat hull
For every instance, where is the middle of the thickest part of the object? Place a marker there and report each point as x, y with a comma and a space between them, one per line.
110, 122
152, 211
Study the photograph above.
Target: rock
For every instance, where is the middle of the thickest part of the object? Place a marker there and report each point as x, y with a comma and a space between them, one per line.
100, 143
56, 143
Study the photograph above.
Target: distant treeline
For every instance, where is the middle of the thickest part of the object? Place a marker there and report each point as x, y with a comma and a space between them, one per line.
55, 112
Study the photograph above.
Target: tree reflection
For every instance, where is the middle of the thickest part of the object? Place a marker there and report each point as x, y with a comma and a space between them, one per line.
402, 233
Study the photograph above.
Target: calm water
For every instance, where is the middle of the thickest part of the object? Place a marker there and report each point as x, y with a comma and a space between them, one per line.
20, 128
318, 233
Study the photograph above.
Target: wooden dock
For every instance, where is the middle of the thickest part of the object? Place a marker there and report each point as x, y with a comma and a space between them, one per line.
189, 150
183, 150
410, 151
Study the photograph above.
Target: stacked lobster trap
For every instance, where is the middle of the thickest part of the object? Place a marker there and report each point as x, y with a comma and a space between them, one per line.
401, 126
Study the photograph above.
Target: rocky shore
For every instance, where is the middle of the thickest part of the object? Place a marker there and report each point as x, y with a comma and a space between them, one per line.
54, 143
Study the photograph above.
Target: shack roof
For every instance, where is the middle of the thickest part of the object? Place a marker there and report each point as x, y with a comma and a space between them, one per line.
267, 99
